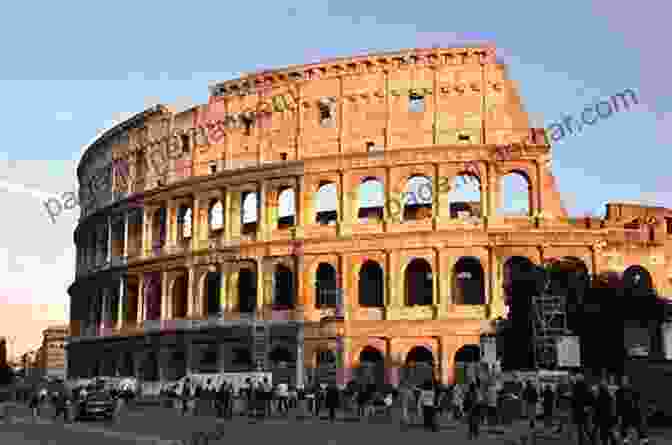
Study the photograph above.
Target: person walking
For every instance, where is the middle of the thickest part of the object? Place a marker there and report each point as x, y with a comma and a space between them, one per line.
580, 405
531, 398
332, 400
186, 396
283, 398
458, 401
471, 408
428, 399
35, 404
605, 415
548, 397
405, 398
491, 396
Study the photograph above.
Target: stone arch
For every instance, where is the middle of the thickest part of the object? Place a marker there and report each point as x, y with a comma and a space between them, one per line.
468, 281
569, 278
464, 198
215, 215
516, 198
249, 213
325, 285
283, 287
179, 295
326, 203
152, 296
520, 284
212, 288
371, 285
286, 207
325, 361
420, 364
371, 199
419, 284
418, 198
371, 366
637, 281
247, 288
467, 359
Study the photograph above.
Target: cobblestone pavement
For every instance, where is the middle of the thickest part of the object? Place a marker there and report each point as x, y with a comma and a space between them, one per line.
166, 426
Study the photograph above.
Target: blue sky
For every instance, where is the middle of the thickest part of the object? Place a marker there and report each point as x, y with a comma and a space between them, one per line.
72, 69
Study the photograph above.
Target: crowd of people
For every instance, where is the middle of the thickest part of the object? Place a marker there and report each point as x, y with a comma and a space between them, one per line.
604, 413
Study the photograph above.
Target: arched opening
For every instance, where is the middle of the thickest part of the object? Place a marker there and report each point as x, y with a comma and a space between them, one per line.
127, 367
215, 216
371, 285
152, 295
284, 287
569, 279
467, 360
420, 364
325, 286
281, 356
371, 366
520, 284
178, 365
371, 200
468, 281
250, 212
247, 290
286, 208
326, 366
131, 306
184, 225
180, 295
516, 197
158, 229
419, 283
418, 198
464, 196
213, 288
327, 204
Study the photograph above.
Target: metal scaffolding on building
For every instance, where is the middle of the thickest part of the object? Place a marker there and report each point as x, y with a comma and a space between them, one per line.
549, 323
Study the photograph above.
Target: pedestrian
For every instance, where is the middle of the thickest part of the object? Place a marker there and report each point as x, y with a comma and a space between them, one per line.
580, 406
471, 409
35, 404
186, 396
548, 397
405, 398
428, 399
283, 398
332, 401
491, 396
605, 415
267, 390
458, 401
220, 400
293, 397
531, 398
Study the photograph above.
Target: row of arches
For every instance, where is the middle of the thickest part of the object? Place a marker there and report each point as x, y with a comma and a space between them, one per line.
464, 192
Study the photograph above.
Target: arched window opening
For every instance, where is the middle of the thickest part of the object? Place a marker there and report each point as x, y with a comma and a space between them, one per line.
464, 196
247, 290
184, 224
250, 213
371, 285
325, 286
180, 295
327, 204
152, 294
516, 199
213, 286
159, 229
281, 357
420, 364
418, 198
284, 287
371, 366
371, 200
216, 215
468, 282
520, 285
286, 208
419, 283
568, 279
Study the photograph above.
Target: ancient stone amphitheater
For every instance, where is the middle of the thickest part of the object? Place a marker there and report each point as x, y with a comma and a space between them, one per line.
308, 221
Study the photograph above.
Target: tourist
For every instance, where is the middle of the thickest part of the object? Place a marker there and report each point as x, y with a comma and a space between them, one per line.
370, 400
405, 398
605, 415
548, 397
283, 398
35, 404
293, 396
471, 408
581, 402
362, 400
531, 398
246, 395
186, 396
458, 401
428, 400
332, 400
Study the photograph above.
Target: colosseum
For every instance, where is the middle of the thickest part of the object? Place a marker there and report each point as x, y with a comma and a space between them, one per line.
283, 225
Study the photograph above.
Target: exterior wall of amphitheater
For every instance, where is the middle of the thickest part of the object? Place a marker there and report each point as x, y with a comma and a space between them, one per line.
145, 290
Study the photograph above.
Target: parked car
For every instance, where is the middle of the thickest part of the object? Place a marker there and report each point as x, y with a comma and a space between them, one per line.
95, 405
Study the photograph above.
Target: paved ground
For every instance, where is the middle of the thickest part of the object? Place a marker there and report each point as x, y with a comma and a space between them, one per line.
164, 426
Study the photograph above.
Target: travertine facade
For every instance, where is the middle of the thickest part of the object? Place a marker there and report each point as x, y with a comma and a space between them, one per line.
213, 241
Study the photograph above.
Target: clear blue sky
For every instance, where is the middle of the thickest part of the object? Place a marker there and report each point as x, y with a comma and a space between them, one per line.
70, 69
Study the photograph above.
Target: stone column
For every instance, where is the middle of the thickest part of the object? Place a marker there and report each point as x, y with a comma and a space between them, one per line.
224, 287
299, 208
195, 224
102, 326
345, 210
497, 306
393, 303
125, 253
226, 203
262, 216
234, 295
166, 306
147, 220
123, 301
109, 240
307, 206
268, 276
538, 196
447, 359
260, 285
300, 364
141, 299
191, 288
491, 192
301, 297
171, 226
235, 218
446, 264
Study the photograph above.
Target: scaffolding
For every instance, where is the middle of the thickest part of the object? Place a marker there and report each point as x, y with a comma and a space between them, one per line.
549, 323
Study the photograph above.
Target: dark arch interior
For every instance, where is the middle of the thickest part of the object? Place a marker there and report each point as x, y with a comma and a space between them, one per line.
325, 285
281, 354
180, 292
468, 353
247, 290
468, 282
420, 354
370, 355
213, 288
520, 284
419, 284
284, 287
371, 285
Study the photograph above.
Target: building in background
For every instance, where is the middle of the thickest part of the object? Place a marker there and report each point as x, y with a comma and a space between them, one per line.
51, 356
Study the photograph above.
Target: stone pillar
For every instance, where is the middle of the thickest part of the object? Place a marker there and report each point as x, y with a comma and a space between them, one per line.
538, 196
224, 287
262, 216
171, 226
446, 264
346, 212
191, 291
123, 301
102, 326
299, 207
125, 253
226, 203
497, 306
447, 347
491, 192
196, 224
300, 363
269, 288
109, 240
141, 299
235, 218
301, 298
260, 285
147, 220
307, 203
394, 299
166, 300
